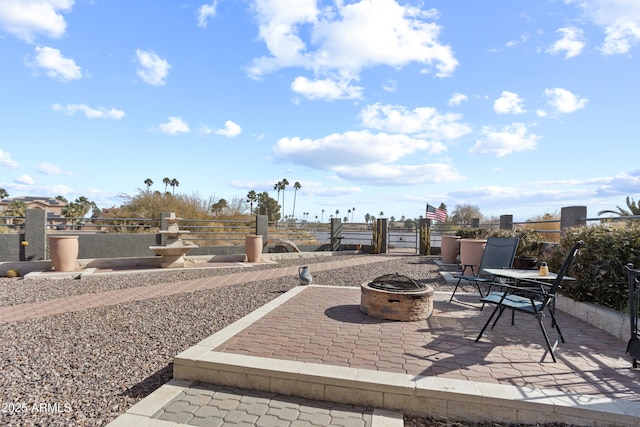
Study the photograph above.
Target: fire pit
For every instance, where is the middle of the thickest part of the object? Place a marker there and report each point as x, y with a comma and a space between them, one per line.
396, 297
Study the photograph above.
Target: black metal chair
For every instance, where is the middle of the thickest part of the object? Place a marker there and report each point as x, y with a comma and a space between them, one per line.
530, 300
498, 253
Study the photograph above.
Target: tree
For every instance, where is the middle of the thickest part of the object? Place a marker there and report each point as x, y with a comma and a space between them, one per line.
62, 198
18, 208
268, 206
353, 210
322, 216
174, 183
284, 184
634, 209
296, 187
252, 197
3, 193
463, 214
166, 181
217, 207
381, 214
148, 182
84, 206
367, 218
72, 211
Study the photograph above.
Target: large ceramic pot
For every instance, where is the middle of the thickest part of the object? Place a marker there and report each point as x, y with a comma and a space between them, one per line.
449, 248
63, 251
253, 247
471, 251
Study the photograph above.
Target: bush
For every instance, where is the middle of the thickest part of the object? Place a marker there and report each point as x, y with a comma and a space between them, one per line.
598, 268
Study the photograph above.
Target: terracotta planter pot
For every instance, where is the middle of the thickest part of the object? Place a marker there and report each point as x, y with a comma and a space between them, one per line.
449, 248
471, 251
253, 247
63, 251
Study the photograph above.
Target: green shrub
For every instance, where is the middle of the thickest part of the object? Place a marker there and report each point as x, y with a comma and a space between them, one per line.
472, 233
598, 268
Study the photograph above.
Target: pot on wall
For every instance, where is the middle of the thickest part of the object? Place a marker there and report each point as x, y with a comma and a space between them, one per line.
253, 247
449, 248
471, 251
63, 251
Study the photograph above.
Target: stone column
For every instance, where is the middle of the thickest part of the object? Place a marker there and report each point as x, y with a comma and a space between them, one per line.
262, 229
336, 233
506, 222
35, 235
572, 216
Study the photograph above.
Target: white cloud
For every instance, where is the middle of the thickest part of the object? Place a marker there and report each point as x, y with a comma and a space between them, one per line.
90, 113
571, 42
509, 102
174, 126
564, 101
523, 39
24, 179
153, 69
49, 169
425, 122
326, 89
27, 18
508, 140
206, 11
7, 161
56, 66
347, 37
341, 153
620, 20
458, 98
390, 85
230, 129
381, 174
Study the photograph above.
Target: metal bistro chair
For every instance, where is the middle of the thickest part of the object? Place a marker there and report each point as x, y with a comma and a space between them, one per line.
530, 301
498, 253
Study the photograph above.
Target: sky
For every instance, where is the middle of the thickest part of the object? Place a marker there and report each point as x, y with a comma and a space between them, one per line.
516, 107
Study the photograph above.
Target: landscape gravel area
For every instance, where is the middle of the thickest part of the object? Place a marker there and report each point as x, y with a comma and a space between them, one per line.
86, 368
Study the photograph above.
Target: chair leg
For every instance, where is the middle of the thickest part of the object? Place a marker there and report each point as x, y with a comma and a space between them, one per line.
454, 290
484, 328
554, 323
546, 337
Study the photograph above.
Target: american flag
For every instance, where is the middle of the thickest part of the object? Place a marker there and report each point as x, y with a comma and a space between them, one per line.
436, 213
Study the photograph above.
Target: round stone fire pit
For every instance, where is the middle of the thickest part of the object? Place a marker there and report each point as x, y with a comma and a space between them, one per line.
396, 297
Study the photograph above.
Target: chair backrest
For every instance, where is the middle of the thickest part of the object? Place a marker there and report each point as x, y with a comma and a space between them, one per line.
498, 253
563, 271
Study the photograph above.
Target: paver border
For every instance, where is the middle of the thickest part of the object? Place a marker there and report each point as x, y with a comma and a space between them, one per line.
411, 394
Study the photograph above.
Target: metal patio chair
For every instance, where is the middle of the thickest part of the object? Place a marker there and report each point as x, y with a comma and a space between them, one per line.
530, 300
498, 253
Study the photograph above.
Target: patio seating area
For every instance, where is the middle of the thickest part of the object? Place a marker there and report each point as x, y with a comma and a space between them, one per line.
315, 343
311, 354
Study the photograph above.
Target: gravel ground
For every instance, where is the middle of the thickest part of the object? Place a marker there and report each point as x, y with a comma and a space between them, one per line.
86, 368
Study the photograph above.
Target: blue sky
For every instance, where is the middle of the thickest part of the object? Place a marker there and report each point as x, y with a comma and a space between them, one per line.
518, 107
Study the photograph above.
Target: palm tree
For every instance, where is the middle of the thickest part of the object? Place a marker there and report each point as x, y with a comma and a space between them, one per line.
634, 209
352, 212
284, 184
337, 213
3, 193
61, 198
278, 186
348, 213
166, 181
367, 218
72, 211
322, 216
174, 183
381, 214
252, 196
84, 206
296, 187
148, 182
18, 208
